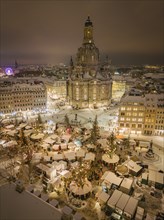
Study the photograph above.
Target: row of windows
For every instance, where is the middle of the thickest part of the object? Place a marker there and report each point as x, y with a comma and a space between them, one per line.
151, 110
160, 112
132, 114
159, 127
149, 126
37, 104
159, 117
132, 109
149, 120
21, 105
132, 126
131, 119
26, 88
20, 94
159, 121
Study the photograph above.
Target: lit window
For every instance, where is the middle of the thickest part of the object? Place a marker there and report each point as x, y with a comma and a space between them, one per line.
122, 119
140, 114
122, 108
129, 108
134, 119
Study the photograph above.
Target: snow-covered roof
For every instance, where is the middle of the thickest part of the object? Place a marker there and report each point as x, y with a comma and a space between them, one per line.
122, 201
114, 198
127, 183
131, 206
103, 196
113, 179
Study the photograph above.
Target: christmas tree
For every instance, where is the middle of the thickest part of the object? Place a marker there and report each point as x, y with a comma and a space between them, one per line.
95, 134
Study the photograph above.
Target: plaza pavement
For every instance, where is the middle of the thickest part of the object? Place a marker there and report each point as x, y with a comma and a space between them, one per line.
107, 120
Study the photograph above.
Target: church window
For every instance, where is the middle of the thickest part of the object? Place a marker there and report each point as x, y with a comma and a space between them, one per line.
94, 93
77, 93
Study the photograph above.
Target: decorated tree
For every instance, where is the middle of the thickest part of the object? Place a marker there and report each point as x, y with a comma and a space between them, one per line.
66, 120
126, 142
95, 134
39, 119
112, 145
78, 174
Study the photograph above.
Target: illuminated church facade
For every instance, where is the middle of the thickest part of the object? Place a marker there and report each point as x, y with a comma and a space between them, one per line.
90, 83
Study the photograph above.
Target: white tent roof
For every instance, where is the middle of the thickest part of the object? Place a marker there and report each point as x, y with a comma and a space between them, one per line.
70, 155
57, 156
10, 143
103, 196
37, 137
90, 156
127, 183
131, 206
112, 178
81, 190
49, 140
122, 201
80, 153
114, 198
112, 160
65, 173
133, 166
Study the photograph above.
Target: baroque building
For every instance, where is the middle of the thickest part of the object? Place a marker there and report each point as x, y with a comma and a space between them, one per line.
89, 83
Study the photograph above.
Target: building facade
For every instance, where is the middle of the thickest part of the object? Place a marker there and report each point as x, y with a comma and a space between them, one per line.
16, 96
142, 114
89, 83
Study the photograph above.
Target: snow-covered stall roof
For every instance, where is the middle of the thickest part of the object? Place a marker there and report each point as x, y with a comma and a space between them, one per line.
114, 198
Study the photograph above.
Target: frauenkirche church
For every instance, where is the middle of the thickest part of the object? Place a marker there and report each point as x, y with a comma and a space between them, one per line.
90, 83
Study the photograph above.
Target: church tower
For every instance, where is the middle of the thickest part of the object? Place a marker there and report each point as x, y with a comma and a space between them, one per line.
88, 54
88, 32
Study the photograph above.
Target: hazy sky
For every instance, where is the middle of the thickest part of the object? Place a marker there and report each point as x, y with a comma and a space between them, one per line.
49, 31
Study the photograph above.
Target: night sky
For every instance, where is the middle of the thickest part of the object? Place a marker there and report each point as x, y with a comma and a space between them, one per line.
47, 31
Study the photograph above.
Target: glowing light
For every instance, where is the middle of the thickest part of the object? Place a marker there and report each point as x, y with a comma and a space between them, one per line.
9, 71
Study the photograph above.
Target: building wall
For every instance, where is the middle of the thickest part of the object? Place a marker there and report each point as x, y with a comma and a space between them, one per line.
131, 117
22, 97
144, 116
118, 89
159, 122
57, 89
84, 94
